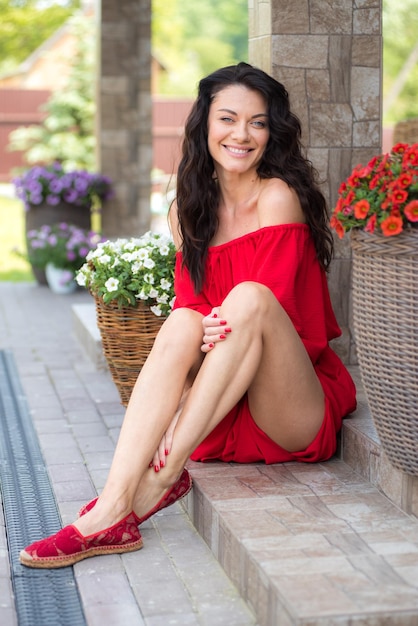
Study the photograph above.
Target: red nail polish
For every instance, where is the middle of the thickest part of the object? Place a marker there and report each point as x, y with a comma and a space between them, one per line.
162, 464
214, 315
166, 452
228, 330
211, 345
222, 322
151, 464
222, 336
156, 468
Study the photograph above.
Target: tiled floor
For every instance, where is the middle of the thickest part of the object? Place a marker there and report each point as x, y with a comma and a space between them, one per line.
174, 579
305, 545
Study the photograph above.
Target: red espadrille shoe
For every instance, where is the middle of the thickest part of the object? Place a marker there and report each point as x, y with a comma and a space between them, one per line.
180, 489
68, 546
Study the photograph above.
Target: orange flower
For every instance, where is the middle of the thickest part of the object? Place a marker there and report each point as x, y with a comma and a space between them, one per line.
337, 226
400, 148
397, 196
404, 180
410, 157
411, 211
371, 224
350, 197
361, 209
392, 225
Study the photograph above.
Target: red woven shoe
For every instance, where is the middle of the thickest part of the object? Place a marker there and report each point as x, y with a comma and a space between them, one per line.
68, 546
180, 489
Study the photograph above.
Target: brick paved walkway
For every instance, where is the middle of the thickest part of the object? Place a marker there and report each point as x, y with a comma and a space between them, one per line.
77, 414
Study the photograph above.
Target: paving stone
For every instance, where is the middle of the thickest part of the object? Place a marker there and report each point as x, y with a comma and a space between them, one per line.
303, 545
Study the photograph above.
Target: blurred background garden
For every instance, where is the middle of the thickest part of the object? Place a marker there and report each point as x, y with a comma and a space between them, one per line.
189, 39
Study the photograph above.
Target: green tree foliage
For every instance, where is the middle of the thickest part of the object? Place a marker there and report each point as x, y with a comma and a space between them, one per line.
193, 38
400, 27
67, 132
26, 24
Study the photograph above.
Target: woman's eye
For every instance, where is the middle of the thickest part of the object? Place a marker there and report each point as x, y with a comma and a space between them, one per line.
259, 124
227, 119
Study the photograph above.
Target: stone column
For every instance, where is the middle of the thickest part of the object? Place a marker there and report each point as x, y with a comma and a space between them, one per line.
125, 113
328, 56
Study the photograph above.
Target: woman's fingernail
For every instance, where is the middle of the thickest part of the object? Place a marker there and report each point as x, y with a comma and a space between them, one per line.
222, 336
151, 464
162, 464
211, 345
156, 468
166, 451
228, 330
223, 322
214, 315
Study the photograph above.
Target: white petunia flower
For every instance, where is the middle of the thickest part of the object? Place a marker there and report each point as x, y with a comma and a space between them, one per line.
149, 264
164, 250
112, 284
103, 259
81, 279
156, 310
165, 284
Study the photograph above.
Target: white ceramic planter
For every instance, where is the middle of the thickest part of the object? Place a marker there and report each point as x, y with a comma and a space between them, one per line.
60, 280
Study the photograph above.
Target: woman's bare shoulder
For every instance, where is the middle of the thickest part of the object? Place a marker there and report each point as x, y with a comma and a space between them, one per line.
278, 204
173, 221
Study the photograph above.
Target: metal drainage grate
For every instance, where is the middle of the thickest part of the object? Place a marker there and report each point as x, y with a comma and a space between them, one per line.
42, 597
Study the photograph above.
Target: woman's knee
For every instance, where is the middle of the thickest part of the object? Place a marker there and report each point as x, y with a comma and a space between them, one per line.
251, 299
181, 324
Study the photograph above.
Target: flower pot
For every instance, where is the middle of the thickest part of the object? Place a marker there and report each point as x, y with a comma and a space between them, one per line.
40, 214
385, 308
127, 334
60, 281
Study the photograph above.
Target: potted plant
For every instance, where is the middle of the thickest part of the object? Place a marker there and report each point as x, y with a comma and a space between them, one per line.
132, 282
60, 250
381, 197
378, 205
51, 194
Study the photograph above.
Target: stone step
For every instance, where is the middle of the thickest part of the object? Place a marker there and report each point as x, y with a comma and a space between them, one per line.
361, 449
331, 544
311, 545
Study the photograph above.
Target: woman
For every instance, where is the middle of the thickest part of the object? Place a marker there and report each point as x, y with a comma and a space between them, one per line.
241, 370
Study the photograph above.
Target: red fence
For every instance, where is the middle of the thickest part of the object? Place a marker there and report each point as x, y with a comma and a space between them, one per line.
20, 107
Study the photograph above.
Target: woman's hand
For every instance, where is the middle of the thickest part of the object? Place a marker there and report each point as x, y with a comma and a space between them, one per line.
160, 457
215, 329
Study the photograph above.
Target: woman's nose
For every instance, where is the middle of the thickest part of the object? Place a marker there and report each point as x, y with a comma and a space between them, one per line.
240, 132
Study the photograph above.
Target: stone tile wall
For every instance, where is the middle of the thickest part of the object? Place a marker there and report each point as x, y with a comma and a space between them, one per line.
125, 109
328, 55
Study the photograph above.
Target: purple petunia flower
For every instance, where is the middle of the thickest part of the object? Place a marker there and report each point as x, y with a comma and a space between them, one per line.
52, 200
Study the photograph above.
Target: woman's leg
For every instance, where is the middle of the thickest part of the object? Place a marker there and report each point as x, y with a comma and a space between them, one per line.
265, 356
262, 355
154, 400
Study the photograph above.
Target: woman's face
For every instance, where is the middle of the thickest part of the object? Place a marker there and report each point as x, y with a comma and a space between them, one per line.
238, 129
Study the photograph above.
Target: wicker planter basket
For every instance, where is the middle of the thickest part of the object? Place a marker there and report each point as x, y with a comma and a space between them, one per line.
128, 334
385, 303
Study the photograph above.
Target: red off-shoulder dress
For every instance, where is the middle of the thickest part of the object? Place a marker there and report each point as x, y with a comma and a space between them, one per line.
283, 258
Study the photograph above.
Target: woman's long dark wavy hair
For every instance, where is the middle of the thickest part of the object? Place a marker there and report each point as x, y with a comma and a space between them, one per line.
197, 191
